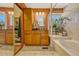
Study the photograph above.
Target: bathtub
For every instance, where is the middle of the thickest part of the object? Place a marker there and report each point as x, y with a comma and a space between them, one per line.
66, 47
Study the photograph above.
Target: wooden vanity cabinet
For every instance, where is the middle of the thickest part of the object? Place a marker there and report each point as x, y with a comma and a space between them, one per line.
33, 37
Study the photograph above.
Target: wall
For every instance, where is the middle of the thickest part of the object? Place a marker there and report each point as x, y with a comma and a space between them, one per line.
72, 26
17, 11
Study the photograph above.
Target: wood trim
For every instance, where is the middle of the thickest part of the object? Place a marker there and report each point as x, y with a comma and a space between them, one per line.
15, 52
23, 28
54, 10
57, 10
21, 5
40, 9
6, 9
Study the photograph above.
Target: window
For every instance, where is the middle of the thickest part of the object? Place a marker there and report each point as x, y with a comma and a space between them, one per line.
54, 22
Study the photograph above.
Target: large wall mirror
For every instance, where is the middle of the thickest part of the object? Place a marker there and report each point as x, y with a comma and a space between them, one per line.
40, 20
17, 28
2, 20
6, 29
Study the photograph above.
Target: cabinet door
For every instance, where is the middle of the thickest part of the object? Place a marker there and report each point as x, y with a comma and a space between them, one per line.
9, 37
9, 40
27, 26
2, 36
27, 19
27, 38
35, 38
44, 38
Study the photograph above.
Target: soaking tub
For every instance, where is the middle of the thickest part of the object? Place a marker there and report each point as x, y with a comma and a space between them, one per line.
67, 47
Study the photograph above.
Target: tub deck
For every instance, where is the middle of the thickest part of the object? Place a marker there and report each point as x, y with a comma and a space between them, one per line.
71, 47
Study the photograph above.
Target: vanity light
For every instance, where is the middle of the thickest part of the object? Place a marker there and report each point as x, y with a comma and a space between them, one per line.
36, 13
12, 12
40, 13
9, 12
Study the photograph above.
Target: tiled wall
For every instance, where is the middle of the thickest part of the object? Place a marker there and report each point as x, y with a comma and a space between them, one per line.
72, 26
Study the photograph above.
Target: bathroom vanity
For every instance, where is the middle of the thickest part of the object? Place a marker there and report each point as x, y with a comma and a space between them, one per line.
33, 35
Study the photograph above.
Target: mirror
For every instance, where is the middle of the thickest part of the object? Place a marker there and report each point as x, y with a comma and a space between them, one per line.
39, 21
6, 29
17, 28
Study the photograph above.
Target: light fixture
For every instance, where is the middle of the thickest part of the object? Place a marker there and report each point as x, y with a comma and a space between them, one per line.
36, 13
40, 13
12, 12
9, 12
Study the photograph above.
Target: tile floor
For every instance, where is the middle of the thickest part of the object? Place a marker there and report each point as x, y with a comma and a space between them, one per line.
36, 51
6, 50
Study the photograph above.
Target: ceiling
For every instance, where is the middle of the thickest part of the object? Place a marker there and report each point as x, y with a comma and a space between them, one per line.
71, 8
66, 6
6, 4
46, 5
